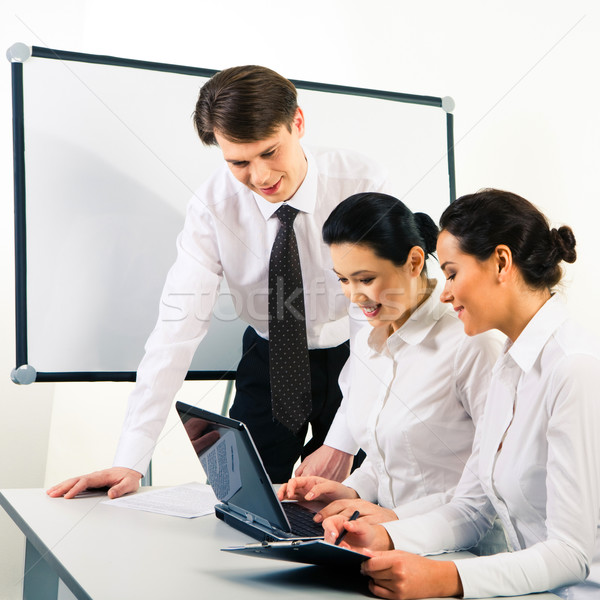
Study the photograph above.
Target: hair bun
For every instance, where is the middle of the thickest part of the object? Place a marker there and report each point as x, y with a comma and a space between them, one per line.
563, 240
428, 229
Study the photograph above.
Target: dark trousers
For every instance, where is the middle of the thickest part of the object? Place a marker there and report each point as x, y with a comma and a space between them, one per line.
278, 447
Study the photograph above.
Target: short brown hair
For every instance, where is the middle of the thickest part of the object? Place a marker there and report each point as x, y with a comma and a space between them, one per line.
244, 104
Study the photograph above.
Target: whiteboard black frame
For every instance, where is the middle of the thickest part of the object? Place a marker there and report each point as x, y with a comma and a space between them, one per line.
22, 372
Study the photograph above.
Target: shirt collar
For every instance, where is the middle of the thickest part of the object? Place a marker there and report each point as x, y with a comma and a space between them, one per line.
528, 346
305, 197
416, 328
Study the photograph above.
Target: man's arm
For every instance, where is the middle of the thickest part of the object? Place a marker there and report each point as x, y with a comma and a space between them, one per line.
187, 300
326, 462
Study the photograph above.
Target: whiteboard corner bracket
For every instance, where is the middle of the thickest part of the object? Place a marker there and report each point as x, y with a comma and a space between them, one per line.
23, 375
18, 53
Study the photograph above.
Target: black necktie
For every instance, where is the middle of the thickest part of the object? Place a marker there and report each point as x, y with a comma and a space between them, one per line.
288, 349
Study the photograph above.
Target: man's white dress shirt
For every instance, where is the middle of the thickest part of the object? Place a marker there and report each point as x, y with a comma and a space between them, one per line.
536, 464
410, 402
229, 231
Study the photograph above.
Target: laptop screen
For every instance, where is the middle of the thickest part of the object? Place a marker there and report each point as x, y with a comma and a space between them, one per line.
232, 463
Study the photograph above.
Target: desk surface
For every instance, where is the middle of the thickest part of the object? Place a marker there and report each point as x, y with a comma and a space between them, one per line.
101, 551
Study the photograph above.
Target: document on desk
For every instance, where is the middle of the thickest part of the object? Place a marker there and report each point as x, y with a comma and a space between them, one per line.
187, 501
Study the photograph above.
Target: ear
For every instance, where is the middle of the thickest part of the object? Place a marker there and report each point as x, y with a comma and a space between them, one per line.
416, 260
504, 262
298, 122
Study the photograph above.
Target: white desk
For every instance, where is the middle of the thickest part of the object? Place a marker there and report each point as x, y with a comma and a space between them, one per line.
103, 552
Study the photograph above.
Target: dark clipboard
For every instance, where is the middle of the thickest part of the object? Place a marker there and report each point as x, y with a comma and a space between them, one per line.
311, 552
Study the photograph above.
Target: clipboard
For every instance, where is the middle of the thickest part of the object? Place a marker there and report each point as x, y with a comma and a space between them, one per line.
310, 552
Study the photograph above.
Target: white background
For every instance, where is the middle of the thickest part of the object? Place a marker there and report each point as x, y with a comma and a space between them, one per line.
524, 78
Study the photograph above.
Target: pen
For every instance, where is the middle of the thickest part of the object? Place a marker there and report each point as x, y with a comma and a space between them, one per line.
354, 516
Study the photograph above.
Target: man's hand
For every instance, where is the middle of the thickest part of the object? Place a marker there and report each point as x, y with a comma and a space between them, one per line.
371, 513
326, 462
361, 535
401, 576
119, 480
314, 488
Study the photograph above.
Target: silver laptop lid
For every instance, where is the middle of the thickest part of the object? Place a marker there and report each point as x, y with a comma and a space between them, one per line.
232, 464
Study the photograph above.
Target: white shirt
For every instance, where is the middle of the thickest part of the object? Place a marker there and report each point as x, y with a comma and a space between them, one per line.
410, 402
544, 480
229, 231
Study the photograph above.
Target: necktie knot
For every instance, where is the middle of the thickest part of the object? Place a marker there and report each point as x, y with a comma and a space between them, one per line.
286, 214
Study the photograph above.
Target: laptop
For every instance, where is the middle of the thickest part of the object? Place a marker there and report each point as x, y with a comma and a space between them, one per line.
238, 478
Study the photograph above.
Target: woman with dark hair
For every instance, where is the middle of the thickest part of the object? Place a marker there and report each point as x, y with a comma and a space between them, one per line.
414, 383
536, 457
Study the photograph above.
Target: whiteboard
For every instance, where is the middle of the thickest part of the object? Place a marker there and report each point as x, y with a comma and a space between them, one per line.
106, 159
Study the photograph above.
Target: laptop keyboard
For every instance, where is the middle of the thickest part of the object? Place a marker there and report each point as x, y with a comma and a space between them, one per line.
301, 520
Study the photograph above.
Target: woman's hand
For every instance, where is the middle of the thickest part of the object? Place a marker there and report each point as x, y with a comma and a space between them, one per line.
314, 488
371, 513
400, 575
360, 534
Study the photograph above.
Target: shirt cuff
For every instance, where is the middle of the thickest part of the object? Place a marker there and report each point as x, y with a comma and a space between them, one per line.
134, 452
424, 534
363, 485
420, 506
339, 437
506, 574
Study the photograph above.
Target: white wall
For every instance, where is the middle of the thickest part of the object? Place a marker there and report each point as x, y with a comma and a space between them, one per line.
524, 78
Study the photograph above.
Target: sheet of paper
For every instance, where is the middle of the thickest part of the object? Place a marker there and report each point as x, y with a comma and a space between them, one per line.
187, 501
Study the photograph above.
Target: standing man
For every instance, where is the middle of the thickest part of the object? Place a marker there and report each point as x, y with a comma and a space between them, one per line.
258, 222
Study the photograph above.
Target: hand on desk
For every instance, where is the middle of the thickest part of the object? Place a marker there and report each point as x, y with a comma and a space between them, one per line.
326, 462
314, 488
120, 480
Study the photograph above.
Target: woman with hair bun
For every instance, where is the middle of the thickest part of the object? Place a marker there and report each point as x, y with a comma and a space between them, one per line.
536, 456
414, 383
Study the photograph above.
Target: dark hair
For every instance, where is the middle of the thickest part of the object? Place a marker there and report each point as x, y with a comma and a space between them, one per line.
244, 104
489, 218
382, 223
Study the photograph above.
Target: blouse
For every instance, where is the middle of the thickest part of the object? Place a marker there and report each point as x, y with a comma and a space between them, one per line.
536, 464
411, 400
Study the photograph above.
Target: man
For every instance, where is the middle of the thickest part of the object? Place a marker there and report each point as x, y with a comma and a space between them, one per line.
231, 228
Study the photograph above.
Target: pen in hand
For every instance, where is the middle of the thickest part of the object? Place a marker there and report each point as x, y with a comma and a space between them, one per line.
340, 537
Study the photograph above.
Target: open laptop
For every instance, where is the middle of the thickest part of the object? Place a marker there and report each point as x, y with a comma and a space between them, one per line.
238, 478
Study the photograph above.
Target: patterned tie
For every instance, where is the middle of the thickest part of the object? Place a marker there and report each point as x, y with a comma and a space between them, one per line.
288, 349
